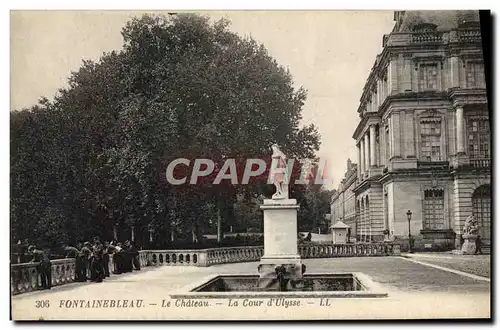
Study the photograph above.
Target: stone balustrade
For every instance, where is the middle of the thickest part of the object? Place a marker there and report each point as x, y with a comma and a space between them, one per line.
469, 35
348, 250
200, 258
217, 256
480, 163
234, 254
460, 35
25, 277
427, 37
173, 258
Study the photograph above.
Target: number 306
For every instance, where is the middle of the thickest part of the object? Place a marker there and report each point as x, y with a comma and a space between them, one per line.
42, 304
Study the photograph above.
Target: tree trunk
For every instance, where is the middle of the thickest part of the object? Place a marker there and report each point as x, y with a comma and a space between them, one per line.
194, 231
220, 233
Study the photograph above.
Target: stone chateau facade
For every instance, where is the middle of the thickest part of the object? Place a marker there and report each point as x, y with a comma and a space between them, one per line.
343, 203
423, 139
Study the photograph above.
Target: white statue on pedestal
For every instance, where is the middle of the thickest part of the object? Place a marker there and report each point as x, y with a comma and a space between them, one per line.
469, 235
470, 226
280, 179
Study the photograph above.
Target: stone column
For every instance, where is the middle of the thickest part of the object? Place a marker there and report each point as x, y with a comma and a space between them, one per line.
406, 74
367, 153
396, 135
359, 160
362, 219
392, 76
381, 148
362, 154
460, 129
380, 92
409, 136
373, 159
454, 72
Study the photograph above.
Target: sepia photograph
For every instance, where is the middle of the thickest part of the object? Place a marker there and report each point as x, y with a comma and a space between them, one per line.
244, 165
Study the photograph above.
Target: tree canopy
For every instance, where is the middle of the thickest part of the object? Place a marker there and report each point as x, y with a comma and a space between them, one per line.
182, 86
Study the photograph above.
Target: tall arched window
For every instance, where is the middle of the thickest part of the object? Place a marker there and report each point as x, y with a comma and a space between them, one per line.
481, 209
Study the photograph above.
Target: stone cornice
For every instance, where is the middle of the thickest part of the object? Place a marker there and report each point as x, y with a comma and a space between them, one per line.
366, 118
421, 173
411, 96
365, 184
460, 96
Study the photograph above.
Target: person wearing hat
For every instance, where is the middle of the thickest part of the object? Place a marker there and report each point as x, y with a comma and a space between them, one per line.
136, 262
96, 265
85, 255
118, 258
106, 258
127, 258
73, 252
44, 267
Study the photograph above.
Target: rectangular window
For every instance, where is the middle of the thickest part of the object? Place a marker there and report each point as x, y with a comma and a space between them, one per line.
474, 73
478, 135
434, 209
427, 79
431, 141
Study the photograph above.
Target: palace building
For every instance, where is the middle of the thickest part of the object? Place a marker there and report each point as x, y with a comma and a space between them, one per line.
423, 138
343, 202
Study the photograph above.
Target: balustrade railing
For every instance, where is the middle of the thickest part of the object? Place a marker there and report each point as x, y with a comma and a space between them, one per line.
173, 258
469, 35
216, 256
427, 37
480, 163
234, 254
25, 277
348, 250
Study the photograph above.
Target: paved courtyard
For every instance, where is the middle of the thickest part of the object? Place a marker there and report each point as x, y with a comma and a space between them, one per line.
415, 291
474, 264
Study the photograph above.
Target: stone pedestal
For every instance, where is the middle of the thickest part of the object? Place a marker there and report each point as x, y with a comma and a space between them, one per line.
281, 266
469, 246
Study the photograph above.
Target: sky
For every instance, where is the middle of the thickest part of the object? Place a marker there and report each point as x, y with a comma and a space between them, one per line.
329, 53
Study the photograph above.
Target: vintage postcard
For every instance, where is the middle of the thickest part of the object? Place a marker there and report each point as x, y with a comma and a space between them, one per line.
250, 165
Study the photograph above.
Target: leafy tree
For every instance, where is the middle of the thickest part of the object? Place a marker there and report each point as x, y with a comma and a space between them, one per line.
180, 87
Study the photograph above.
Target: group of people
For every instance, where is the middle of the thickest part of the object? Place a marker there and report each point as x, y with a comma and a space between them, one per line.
92, 260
